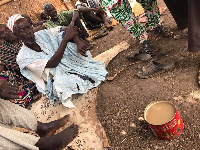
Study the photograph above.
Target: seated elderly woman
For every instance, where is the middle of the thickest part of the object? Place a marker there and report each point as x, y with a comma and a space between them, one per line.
19, 90
58, 67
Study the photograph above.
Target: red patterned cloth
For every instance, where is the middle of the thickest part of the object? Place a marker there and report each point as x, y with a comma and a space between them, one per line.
8, 54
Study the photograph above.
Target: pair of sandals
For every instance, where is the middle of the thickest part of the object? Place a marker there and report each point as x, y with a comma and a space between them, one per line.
146, 53
154, 67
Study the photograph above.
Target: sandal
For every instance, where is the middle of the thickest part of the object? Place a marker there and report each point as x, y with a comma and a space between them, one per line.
139, 56
145, 56
154, 68
148, 48
160, 55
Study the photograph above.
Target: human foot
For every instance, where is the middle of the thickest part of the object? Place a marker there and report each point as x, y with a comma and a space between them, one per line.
58, 141
48, 129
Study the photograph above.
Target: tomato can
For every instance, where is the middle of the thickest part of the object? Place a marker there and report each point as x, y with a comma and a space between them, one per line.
164, 119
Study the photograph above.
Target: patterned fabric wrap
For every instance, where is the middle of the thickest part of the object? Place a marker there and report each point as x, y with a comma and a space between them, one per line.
8, 54
151, 11
122, 12
65, 18
68, 75
26, 87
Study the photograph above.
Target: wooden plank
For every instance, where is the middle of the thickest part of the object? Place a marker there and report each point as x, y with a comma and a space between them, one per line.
4, 2
108, 55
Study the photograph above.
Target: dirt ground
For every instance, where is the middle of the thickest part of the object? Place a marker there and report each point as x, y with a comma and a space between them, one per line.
121, 102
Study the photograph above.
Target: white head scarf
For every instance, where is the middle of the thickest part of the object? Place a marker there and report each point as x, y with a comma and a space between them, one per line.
12, 20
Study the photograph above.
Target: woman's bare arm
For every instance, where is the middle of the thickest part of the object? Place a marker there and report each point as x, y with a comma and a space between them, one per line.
56, 58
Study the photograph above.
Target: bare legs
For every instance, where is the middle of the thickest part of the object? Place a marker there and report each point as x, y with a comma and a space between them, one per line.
48, 129
58, 141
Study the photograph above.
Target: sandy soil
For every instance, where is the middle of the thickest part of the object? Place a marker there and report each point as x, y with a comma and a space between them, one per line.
121, 102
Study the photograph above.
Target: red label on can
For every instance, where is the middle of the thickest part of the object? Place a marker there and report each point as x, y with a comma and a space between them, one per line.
170, 130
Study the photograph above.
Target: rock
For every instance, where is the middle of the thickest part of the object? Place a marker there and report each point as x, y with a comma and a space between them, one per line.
140, 118
132, 125
123, 132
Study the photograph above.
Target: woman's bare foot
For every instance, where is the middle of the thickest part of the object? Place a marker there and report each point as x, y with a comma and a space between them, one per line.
59, 140
48, 129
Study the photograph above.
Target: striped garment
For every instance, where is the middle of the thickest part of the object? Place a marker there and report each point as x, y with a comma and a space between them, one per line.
8, 54
122, 12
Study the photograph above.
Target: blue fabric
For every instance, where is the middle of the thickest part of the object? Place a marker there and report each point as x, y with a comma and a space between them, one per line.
67, 75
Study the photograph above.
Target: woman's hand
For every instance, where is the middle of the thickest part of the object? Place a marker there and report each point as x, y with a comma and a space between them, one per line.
71, 33
82, 46
8, 90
